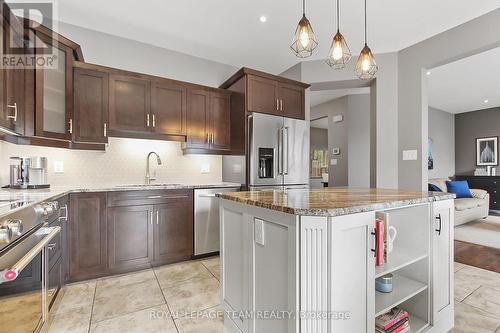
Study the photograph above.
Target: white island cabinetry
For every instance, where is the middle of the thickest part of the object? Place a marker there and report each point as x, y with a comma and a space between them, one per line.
290, 272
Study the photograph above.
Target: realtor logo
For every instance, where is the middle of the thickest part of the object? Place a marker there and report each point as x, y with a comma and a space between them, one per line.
23, 47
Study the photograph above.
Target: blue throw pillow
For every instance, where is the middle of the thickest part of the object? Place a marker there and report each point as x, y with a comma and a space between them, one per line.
460, 188
434, 188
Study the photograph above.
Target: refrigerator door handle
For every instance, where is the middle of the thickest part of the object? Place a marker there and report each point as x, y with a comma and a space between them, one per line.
280, 151
285, 150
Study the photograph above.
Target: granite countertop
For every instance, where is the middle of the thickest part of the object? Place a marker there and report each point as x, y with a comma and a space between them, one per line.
33, 197
333, 201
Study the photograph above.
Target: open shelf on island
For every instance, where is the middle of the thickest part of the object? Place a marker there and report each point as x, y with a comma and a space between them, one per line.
417, 324
398, 258
403, 289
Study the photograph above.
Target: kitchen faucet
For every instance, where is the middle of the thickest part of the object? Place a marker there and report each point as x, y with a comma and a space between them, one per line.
148, 176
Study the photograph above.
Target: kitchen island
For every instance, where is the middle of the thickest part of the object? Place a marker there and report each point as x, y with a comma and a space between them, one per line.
303, 260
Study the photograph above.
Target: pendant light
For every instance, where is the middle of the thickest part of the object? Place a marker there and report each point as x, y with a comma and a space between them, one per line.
304, 41
366, 67
339, 54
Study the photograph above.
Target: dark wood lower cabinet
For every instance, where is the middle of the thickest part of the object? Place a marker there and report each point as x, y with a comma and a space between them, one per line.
130, 236
173, 232
130, 231
87, 236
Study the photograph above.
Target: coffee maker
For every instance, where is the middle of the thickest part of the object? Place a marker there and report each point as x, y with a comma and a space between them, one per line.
28, 173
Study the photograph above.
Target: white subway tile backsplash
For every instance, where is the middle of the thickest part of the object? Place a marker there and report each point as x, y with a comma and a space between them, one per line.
123, 162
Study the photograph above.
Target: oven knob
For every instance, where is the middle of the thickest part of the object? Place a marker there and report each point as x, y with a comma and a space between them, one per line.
5, 234
51, 207
15, 226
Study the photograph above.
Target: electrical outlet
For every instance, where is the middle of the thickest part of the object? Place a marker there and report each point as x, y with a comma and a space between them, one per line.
205, 168
333, 161
58, 167
259, 231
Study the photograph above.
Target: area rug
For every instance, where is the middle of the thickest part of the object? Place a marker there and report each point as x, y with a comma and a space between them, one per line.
484, 232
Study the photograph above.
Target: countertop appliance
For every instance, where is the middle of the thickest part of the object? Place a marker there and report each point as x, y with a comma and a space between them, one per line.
28, 172
25, 240
277, 154
206, 220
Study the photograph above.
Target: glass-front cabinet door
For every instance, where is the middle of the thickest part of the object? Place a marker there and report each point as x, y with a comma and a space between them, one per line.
54, 90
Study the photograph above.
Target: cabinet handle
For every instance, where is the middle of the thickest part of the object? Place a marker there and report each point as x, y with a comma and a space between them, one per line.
15, 111
440, 224
154, 120
374, 233
212, 138
147, 120
70, 126
277, 104
151, 218
105, 130
157, 216
65, 217
208, 138
281, 104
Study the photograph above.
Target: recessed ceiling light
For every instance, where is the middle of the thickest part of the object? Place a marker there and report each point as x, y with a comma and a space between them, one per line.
486, 101
263, 18
428, 73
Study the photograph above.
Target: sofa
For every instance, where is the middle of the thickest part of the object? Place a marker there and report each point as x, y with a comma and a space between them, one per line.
467, 209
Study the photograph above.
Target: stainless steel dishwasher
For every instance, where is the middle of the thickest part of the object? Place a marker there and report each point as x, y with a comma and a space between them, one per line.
206, 219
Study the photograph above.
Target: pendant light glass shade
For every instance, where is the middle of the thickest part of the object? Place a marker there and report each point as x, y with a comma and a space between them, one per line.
304, 41
339, 54
366, 67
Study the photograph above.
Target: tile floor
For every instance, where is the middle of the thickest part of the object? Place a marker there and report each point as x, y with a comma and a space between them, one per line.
165, 299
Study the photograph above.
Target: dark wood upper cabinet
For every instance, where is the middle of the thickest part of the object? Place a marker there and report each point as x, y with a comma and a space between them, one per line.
173, 231
129, 104
291, 100
12, 80
220, 121
198, 119
87, 236
265, 93
91, 106
130, 236
168, 108
54, 91
262, 95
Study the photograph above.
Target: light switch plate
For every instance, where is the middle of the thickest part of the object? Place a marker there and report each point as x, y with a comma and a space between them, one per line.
205, 168
259, 231
410, 155
58, 167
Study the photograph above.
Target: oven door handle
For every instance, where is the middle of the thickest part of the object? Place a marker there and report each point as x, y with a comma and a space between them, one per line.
11, 274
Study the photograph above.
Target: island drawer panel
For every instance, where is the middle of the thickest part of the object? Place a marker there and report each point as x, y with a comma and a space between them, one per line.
148, 197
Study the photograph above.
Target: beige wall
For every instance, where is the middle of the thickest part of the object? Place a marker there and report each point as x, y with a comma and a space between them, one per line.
124, 162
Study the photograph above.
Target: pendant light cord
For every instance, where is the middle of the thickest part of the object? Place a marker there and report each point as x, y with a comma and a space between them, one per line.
338, 16
366, 35
304, 7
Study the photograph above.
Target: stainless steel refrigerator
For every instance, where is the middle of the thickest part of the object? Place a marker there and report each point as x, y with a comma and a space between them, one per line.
277, 154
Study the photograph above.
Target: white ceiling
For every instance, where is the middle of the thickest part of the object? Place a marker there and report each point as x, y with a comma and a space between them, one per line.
229, 31
323, 96
464, 85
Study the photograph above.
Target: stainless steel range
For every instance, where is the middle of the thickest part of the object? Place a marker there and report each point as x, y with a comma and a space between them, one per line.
25, 240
